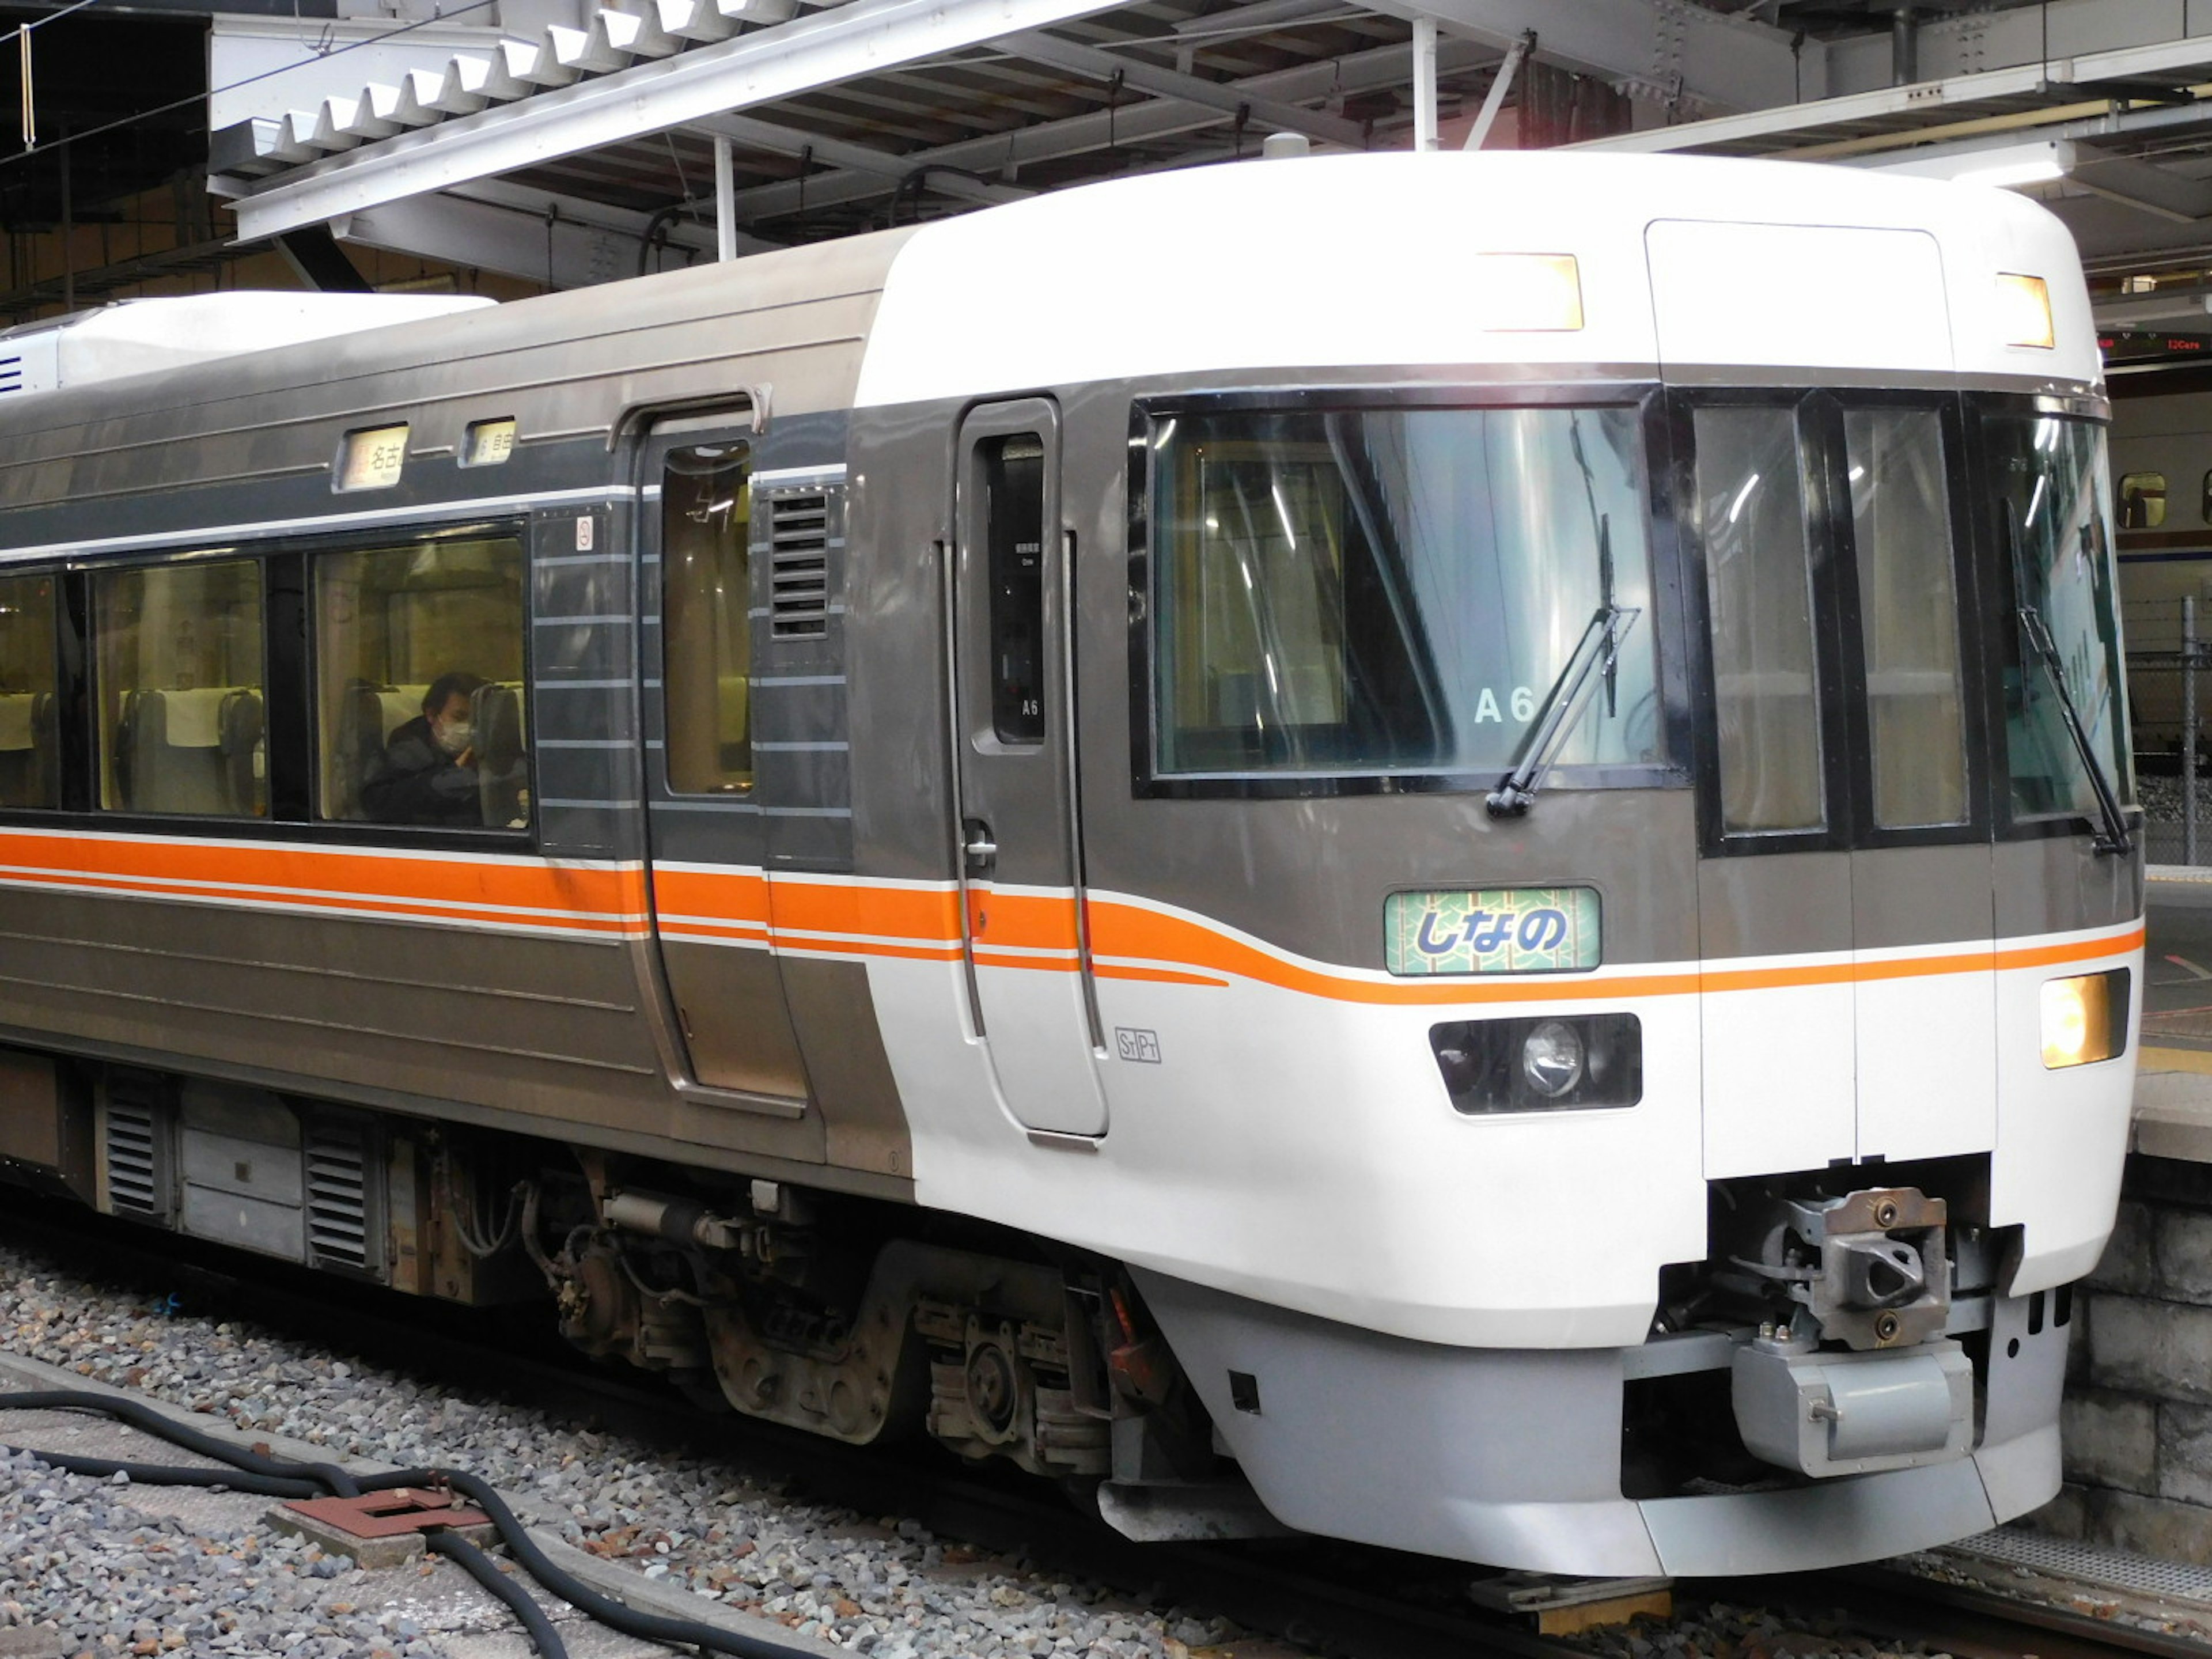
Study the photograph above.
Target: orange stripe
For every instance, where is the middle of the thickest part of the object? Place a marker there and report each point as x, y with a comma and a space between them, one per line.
1156, 976
1125, 931
595, 898
886, 921
1034, 921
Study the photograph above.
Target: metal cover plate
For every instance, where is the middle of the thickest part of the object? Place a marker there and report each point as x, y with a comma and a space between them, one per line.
1492, 930
2061, 1558
386, 1514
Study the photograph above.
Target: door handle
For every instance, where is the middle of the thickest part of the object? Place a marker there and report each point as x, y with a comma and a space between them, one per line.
980, 851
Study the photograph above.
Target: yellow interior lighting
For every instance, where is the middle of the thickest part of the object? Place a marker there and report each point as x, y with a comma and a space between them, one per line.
2024, 311
2078, 1023
1527, 293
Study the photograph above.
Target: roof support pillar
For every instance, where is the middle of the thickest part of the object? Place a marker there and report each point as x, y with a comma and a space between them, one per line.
726, 201
1424, 82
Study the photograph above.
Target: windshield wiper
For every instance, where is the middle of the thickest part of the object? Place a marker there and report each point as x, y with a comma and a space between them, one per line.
2115, 837
1596, 656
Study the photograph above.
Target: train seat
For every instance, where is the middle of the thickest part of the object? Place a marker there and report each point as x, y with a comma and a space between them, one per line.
732, 692
400, 704
196, 750
29, 756
502, 750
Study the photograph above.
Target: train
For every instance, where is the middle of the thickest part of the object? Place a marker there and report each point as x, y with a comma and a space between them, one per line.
1432, 848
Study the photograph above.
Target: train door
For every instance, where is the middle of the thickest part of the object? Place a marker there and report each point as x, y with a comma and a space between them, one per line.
1846, 889
707, 839
1014, 734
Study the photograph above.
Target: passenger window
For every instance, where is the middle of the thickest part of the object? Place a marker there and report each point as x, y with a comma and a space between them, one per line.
419, 708
30, 756
706, 627
178, 661
1908, 615
1759, 581
1011, 475
2142, 501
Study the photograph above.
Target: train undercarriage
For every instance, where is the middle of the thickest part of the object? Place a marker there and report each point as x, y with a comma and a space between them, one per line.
1845, 1324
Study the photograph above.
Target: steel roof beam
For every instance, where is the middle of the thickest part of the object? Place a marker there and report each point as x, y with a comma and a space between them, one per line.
1136, 124
1659, 49
2147, 189
838, 152
1096, 64
858, 38
512, 232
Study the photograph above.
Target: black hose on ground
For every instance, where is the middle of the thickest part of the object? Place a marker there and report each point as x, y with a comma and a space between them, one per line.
478, 1566
615, 1615
171, 1474
329, 1476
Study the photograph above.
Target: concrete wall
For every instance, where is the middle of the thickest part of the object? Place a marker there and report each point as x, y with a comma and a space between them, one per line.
2138, 1413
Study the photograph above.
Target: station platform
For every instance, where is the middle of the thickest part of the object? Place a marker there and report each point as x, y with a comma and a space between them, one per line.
2173, 1077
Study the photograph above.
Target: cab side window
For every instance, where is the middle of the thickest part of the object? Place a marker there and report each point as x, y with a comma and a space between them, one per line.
706, 528
177, 653
419, 706
30, 752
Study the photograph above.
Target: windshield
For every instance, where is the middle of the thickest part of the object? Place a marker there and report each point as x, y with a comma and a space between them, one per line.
1395, 591
2049, 477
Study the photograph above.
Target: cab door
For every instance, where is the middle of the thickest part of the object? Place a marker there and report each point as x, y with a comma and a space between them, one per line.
1846, 892
1028, 951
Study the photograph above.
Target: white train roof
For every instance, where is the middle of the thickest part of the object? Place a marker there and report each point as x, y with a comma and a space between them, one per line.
1367, 261
139, 336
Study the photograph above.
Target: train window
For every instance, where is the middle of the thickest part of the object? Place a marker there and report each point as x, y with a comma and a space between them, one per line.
2142, 501
1012, 482
2055, 527
1908, 615
706, 629
1751, 498
177, 653
418, 684
1395, 590
30, 751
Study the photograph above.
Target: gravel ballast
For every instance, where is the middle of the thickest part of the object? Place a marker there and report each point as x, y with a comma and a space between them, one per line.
72, 1557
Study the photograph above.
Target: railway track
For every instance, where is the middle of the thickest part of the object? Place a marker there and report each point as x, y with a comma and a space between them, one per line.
1330, 1597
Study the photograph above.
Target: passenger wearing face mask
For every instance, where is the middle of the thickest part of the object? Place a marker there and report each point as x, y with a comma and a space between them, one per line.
427, 773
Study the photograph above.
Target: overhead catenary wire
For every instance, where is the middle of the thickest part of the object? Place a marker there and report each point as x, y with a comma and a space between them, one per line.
445, 16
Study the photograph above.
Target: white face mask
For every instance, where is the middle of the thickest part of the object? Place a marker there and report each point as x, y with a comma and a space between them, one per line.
455, 736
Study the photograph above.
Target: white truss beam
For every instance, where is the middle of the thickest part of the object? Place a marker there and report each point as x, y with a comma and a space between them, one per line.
789, 58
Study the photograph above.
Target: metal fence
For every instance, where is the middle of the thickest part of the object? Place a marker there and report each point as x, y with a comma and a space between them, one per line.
2169, 700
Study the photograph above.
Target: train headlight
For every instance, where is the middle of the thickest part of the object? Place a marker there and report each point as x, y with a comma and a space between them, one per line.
1526, 293
1552, 1059
1549, 1063
2084, 1019
2023, 310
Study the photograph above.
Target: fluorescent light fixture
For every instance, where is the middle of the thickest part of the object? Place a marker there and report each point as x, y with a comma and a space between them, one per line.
2000, 165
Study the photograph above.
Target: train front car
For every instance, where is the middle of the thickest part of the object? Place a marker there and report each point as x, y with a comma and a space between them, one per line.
1581, 699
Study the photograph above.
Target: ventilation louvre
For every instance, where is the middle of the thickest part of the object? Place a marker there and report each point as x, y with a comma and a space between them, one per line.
337, 1195
134, 1164
798, 566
